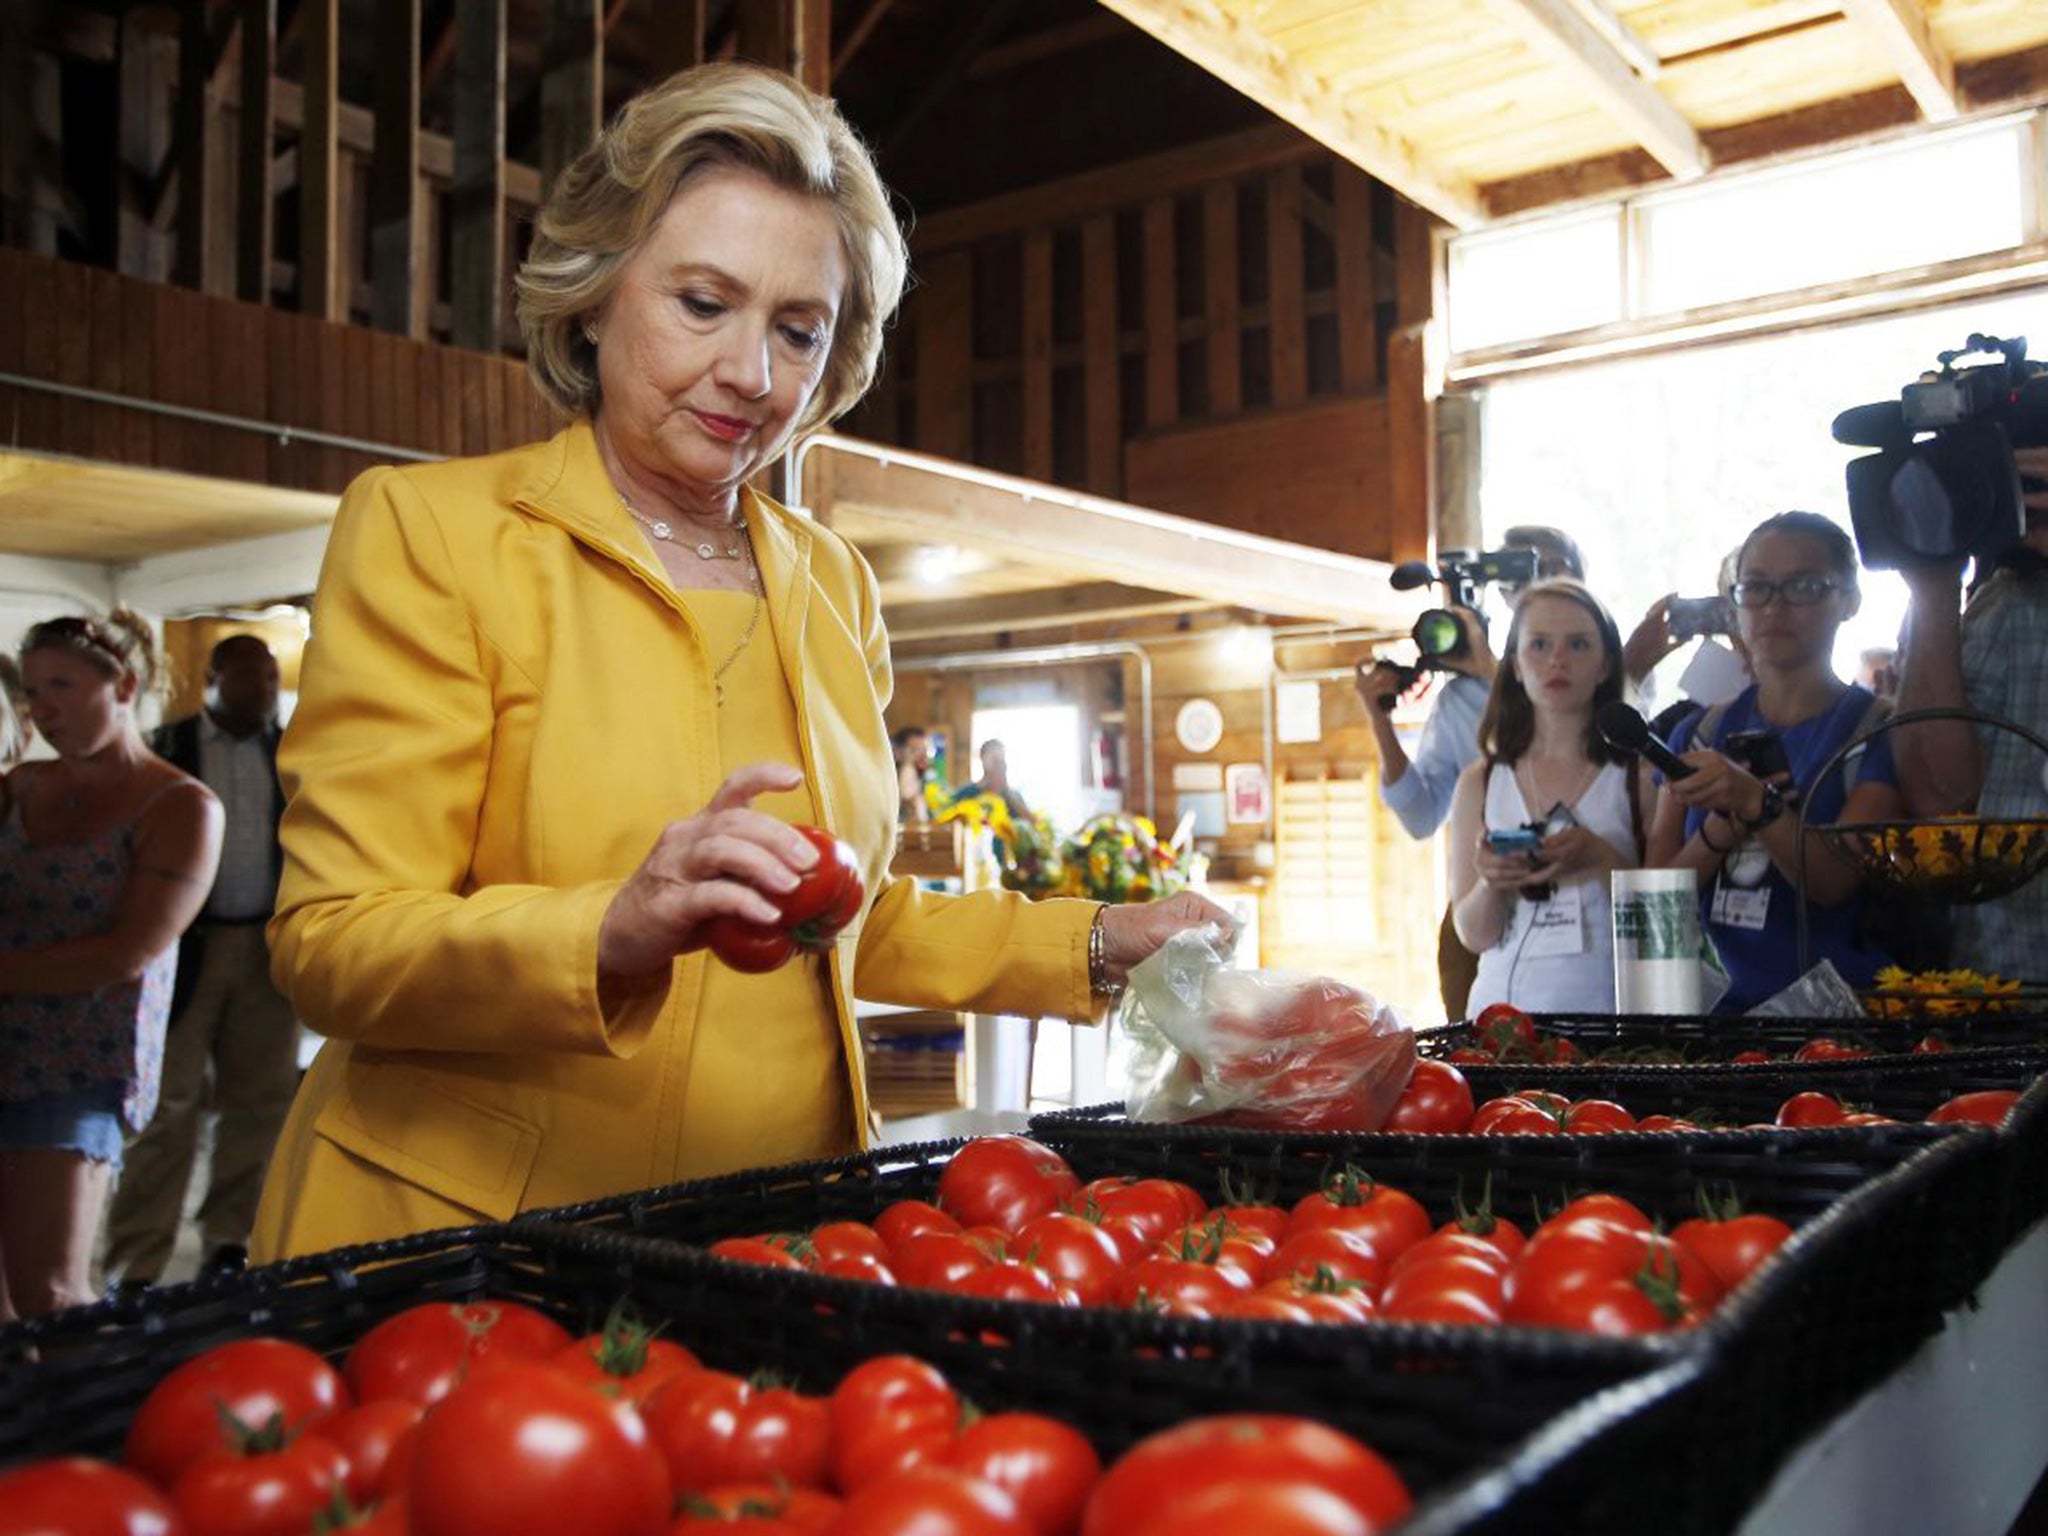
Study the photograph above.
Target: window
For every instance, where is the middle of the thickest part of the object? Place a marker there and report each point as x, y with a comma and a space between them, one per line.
1536, 280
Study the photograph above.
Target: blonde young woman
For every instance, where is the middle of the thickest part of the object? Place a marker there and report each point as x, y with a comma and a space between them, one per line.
106, 856
1540, 918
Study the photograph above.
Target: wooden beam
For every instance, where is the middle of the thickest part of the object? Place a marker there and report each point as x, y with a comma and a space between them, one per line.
1559, 29
976, 25
813, 29
1102, 375
1115, 186
395, 253
1220, 280
1358, 338
358, 134
1047, 44
674, 37
1037, 350
476, 200
320, 264
1287, 322
1162, 331
1231, 47
147, 74
945, 416
1093, 602
256, 239
1899, 28
571, 86
1086, 539
188, 149
858, 34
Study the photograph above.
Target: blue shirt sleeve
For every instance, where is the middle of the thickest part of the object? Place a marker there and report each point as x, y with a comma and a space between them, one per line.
1421, 797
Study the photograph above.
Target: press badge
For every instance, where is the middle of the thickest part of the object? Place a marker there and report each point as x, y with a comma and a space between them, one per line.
1557, 927
1736, 908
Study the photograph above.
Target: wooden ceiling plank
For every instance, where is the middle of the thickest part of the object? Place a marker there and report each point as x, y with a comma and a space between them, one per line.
856, 38
1558, 27
1051, 608
319, 101
1899, 28
1234, 50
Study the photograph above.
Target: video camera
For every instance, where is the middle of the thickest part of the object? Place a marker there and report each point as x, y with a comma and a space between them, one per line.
1943, 484
1439, 637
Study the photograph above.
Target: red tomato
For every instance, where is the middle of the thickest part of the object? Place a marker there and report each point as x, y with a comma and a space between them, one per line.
1513, 1115
1268, 1506
1987, 1108
751, 948
1598, 1276
1751, 1058
711, 1427
754, 1250
1823, 1048
1606, 1207
1344, 1255
1504, 1021
760, 1509
1734, 1246
1448, 1244
264, 1493
1931, 1045
1014, 1280
76, 1496
252, 1380
889, 1414
847, 1239
1152, 1485
1179, 1287
1810, 1108
525, 1451
1352, 1201
1450, 1288
825, 899
626, 1357
1005, 1181
1076, 1253
423, 1352
1596, 1117
1665, 1123
1323, 1298
856, 1266
1437, 1101
911, 1218
367, 1436
1048, 1467
931, 1501
937, 1261
1268, 1221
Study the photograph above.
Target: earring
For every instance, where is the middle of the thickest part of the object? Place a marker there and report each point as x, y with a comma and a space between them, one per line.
590, 333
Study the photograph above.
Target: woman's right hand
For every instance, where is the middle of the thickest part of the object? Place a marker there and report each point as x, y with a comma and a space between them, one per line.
1718, 783
725, 860
1509, 872
1380, 681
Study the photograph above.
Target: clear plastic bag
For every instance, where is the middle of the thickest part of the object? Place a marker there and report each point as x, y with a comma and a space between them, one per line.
1820, 994
1271, 1050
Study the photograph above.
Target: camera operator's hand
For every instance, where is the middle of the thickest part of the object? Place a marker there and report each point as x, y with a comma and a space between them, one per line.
1476, 659
1383, 680
1508, 873
1577, 851
1651, 642
1933, 580
1718, 783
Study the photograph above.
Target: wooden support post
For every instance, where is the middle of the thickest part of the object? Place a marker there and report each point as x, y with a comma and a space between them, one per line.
813, 32
320, 265
675, 37
1037, 354
1358, 338
571, 87
394, 173
945, 420
1411, 386
1286, 316
1102, 364
1162, 330
195, 120
1219, 258
476, 198
146, 76
255, 237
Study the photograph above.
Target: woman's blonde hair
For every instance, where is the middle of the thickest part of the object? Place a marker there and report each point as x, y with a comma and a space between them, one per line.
13, 740
608, 200
120, 645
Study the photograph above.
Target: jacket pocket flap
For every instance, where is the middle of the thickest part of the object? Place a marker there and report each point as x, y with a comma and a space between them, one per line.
474, 1155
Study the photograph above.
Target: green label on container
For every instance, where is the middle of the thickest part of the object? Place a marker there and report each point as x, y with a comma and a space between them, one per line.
1656, 925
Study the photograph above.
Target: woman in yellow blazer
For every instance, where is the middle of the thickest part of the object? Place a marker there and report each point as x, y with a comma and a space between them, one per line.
562, 705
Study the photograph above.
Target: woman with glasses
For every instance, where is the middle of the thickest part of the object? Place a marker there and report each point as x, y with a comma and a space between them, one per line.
1735, 819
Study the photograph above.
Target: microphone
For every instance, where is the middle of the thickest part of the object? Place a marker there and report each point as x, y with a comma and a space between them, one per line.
1882, 425
1410, 574
1627, 731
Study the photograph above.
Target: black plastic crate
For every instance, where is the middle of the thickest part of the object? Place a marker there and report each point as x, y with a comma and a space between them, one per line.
2026, 1128
1708, 1038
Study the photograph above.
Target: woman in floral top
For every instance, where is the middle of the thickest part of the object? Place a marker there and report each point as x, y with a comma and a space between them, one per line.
106, 855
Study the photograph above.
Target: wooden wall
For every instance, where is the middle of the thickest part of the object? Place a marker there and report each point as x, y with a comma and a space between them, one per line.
89, 328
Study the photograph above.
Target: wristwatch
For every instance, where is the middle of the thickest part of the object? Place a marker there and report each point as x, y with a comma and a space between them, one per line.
1773, 807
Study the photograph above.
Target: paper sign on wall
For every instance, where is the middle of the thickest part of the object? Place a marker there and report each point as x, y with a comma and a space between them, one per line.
1298, 711
1247, 797
1197, 775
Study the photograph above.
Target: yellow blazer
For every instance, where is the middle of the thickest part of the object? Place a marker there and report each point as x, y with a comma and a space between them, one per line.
497, 718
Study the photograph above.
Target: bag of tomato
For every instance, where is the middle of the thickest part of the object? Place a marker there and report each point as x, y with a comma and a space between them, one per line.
1272, 1050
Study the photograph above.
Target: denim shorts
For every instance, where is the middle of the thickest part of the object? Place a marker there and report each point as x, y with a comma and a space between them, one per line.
88, 1122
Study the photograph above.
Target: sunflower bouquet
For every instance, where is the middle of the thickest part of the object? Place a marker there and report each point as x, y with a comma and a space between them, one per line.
1903, 994
1119, 858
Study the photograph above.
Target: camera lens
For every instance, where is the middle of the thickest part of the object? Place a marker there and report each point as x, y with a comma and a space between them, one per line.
1437, 633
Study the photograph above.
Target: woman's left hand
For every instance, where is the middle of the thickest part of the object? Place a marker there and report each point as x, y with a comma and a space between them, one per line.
1577, 850
1131, 932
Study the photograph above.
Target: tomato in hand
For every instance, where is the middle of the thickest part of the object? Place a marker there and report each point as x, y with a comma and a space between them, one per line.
78, 1494
1048, 1467
423, 1352
712, 1427
1989, 1107
826, 898
252, 1380
1005, 1181
523, 1450
1437, 1101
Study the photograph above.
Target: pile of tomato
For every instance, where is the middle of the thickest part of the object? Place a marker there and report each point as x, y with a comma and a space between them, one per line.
1439, 1101
1012, 1221
490, 1420
1503, 1035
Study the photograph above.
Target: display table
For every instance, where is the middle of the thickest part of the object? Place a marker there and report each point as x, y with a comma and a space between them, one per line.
1953, 1442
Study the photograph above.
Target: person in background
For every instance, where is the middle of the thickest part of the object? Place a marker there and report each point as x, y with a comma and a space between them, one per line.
233, 1042
1419, 790
1540, 921
1984, 654
995, 780
106, 855
1878, 670
17, 733
913, 762
1734, 820
551, 716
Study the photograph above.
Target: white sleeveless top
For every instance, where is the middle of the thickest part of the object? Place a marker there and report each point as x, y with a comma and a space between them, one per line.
1557, 956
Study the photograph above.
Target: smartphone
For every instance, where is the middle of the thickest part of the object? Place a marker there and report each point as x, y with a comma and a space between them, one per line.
1509, 841
1690, 617
1761, 752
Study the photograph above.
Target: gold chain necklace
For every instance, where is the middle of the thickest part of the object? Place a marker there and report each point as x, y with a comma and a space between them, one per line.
664, 530
753, 623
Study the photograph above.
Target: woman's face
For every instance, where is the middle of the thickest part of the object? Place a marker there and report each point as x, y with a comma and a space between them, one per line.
1559, 653
1784, 635
714, 341
78, 708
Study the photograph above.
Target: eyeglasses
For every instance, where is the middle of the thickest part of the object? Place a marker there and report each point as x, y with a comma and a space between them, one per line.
1799, 591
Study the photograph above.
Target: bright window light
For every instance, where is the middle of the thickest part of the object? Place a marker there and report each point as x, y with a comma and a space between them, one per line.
1536, 280
1042, 745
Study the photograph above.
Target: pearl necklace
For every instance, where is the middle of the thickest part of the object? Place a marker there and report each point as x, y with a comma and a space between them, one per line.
664, 530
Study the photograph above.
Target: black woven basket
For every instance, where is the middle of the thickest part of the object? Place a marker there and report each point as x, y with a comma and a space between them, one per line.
1693, 1039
